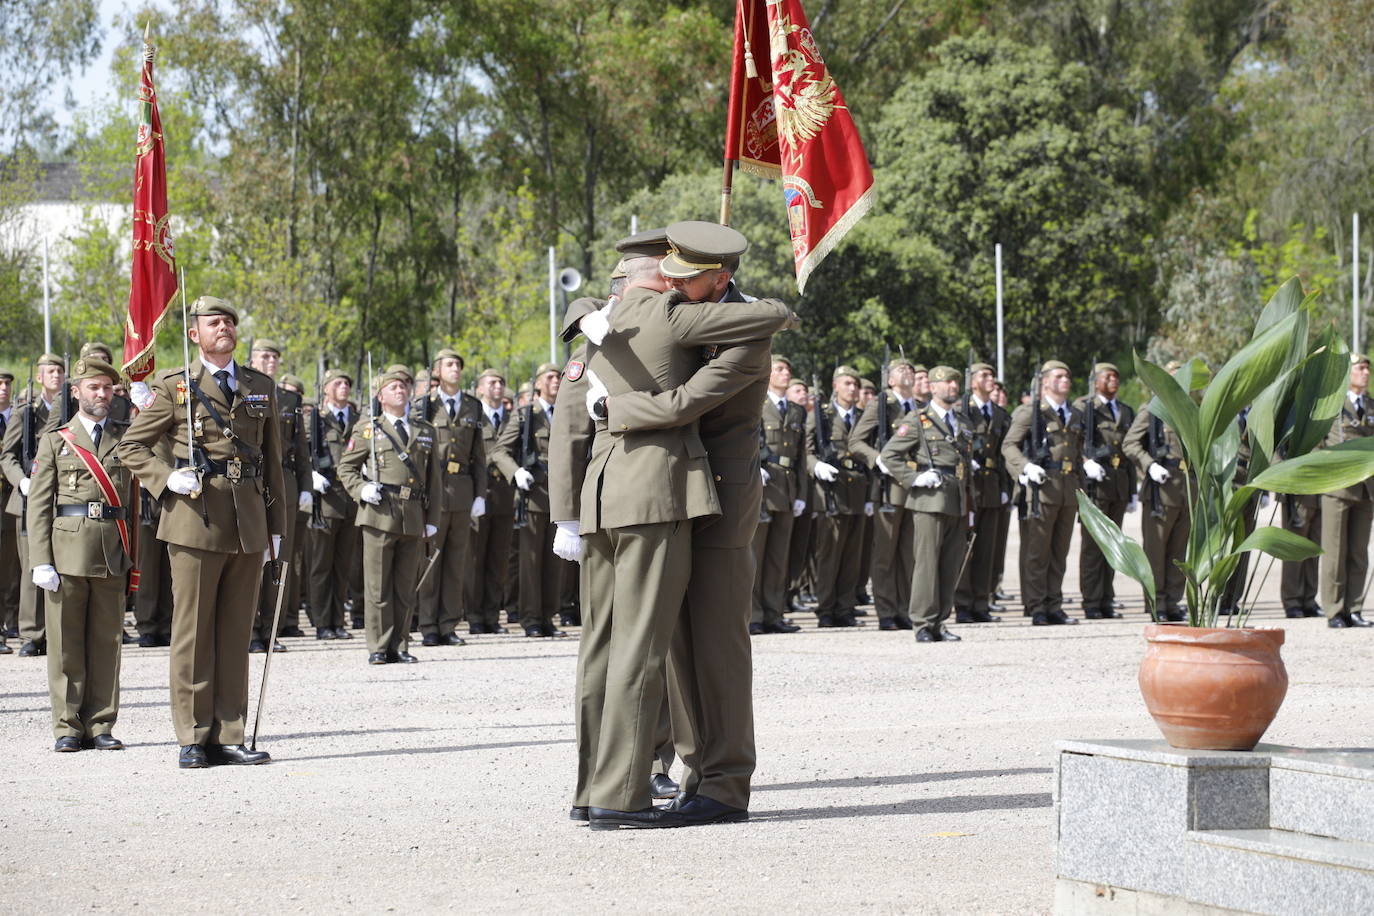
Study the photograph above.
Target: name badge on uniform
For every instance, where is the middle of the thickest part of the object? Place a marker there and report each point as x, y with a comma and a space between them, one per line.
454, 467
1116, 461
1067, 467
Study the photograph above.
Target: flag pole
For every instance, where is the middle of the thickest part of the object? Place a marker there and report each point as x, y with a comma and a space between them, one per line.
1001, 352
47, 304
726, 189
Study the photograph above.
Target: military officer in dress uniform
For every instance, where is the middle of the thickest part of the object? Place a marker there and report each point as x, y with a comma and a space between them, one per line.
1051, 466
15, 453
221, 518
1105, 422
842, 478
1299, 582
1346, 513
79, 544
265, 356
782, 453
1158, 456
541, 575
10, 572
929, 456
389, 467
121, 408
892, 544
492, 537
800, 560
337, 546
989, 494
460, 454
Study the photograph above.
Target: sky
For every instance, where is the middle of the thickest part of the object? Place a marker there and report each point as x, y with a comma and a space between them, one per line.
92, 85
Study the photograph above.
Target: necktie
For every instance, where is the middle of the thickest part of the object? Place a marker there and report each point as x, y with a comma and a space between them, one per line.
401, 431
1063, 415
848, 421
95, 435
496, 419
906, 407
452, 411
952, 423
222, 378
782, 407
1111, 406
343, 418
549, 413
1359, 408
3, 424
987, 412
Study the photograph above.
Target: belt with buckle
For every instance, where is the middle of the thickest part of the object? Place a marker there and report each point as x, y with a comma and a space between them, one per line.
401, 491
95, 510
233, 470
848, 464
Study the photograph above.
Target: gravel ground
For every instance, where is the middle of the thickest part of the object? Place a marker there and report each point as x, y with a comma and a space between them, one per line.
892, 777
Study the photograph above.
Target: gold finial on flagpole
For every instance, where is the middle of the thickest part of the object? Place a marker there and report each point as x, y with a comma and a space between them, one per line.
147, 45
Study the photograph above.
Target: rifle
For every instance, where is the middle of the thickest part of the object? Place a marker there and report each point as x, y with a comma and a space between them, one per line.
884, 423
318, 461
26, 453
1152, 443
1036, 440
527, 459
372, 426
195, 457
825, 449
1090, 445
67, 399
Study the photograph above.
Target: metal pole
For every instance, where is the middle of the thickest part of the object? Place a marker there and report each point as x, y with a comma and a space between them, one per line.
1001, 349
634, 224
47, 303
553, 306
1355, 282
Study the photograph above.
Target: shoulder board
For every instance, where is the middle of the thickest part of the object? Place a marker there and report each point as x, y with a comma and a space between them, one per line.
166, 374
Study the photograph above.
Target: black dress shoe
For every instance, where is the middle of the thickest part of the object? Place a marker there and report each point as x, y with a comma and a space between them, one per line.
1117, 605
342, 633
984, 617
756, 629
107, 743
477, 629
32, 649
903, 623
1091, 613
4, 649
570, 620
578, 813
699, 811
947, 635
325, 633
1041, 619
453, 639
257, 647
377, 658
1292, 613
1174, 616
495, 628
164, 639
125, 639
926, 634
237, 755
1001, 595
662, 786
848, 620
292, 632
358, 622
404, 658
277, 646
1339, 622
551, 630
1061, 618
534, 630
1108, 614
11, 633
430, 640
1313, 611
995, 607
781, 626
147, 641
644, 819
67, 744
192, 757
887, 623
826, 620
1226, 611
963, 615
1359, 621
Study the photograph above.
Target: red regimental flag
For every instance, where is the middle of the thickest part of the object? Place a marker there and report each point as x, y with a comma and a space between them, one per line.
153, 281
805, 136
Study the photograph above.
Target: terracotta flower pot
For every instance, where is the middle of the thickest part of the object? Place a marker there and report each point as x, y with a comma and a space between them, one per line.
1213, 688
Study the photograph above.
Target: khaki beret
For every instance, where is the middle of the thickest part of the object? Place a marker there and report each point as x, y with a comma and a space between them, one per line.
93, 367
697, 246
266, 344
778, 358
333, 375
6, 374
981, 367
49, 359
395, 372
293, 380
799, 383
918, 368
1101, 368
206, 306
1357, 358
945, 374
842, 371
867, 383
546, 368
448, 353
491, 373
95, 346
524, 389
899, 363
1051, 364
577, 310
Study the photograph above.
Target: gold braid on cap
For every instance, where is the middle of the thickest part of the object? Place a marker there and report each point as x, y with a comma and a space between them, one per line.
677, 253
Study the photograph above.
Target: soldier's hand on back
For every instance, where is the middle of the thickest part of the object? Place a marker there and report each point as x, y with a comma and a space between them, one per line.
595, 325
567, 541
318, 482
763, 474
1159, 473
306, 502
479, 506
596, 390
826, 472
24, 487
928, 478
882, 468
1034, 473
46, 578
1133, 505
184, 481
1094, 470
431, 531
798, 507
868, 509
523, 478
371, 493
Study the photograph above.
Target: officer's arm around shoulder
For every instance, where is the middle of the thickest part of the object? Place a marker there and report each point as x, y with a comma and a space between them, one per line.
704, 323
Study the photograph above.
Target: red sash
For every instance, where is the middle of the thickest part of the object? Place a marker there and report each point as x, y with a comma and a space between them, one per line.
106, 485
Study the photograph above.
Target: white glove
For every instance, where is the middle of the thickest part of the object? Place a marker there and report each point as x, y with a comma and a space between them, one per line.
1034, 473
523, 478
763, 474
1094, 470
24, 487
184, 481
141, 395
595, 391
306, 501
371, 493
1006, 498
882, 468
1133, 505
798, 507
318, 482
567, 543
826, 473
1022, 479
46, 578
1264, 500
1158, 472
273, 551
595, 325
479, 506
975, 464
868, 508
929, 478
431, 531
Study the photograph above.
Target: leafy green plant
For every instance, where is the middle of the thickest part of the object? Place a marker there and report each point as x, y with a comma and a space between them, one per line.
1293, 380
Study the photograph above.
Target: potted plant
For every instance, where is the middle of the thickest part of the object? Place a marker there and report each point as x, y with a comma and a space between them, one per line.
1219, 687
